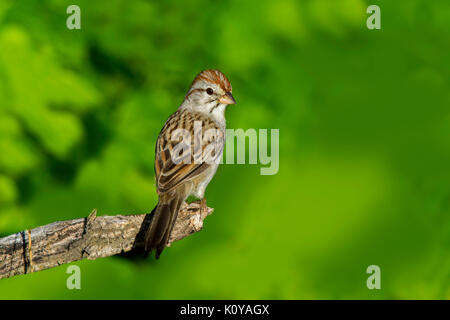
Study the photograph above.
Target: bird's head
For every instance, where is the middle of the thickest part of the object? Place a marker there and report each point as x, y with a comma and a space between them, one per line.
209, 91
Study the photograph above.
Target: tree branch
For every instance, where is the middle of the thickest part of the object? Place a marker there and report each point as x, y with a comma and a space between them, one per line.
88, 238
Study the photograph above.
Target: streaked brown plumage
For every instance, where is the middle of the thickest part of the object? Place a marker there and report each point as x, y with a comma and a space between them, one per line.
203, 107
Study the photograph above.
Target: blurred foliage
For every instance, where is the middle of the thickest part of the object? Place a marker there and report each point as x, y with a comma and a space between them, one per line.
364, 125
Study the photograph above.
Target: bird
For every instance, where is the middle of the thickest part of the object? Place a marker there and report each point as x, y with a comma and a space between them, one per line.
188, 151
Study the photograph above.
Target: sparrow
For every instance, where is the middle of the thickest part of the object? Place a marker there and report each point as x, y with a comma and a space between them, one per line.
188, 151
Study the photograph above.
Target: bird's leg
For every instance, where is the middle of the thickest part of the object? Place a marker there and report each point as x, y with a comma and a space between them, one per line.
203, 206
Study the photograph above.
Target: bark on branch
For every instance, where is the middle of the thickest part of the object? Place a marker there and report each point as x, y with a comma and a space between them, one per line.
88, 238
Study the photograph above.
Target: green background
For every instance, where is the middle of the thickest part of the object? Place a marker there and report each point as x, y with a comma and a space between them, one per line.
364, 124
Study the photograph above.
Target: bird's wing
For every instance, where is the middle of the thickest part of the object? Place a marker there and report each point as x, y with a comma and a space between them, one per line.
173, 168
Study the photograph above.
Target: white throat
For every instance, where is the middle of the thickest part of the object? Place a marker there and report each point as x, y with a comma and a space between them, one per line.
218, 114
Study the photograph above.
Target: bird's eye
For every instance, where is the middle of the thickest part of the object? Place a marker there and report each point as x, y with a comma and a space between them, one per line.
209, 91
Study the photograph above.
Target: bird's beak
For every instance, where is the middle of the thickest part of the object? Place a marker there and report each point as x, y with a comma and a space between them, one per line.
227, 98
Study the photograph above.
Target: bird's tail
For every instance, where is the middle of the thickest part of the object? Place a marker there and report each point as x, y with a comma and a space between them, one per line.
162, 223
